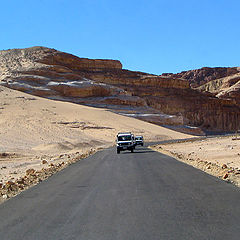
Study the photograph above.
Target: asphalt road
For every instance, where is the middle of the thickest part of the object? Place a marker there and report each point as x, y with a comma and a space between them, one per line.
129, 196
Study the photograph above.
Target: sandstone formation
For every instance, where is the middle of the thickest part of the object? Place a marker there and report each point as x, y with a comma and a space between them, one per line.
201, 76
175, 96
56, 75
224, 88
221, 82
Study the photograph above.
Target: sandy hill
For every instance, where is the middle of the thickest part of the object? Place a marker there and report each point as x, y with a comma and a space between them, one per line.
165, 100
27, 122
33, 129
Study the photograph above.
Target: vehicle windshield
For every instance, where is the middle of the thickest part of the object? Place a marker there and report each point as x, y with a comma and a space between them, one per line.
138, 138
125, 138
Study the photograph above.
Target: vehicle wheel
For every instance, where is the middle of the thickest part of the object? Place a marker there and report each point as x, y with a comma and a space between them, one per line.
132, 150
118, 151
142, 144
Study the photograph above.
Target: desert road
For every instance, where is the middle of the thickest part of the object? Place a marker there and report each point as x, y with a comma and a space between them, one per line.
129, 196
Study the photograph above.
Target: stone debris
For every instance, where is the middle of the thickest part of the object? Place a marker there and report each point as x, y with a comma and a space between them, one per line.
3, 154
223, 172
224, 166
5, 196
33, 177
30, 171
225, 176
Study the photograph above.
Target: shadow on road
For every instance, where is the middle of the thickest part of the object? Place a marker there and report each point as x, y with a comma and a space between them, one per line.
138, 151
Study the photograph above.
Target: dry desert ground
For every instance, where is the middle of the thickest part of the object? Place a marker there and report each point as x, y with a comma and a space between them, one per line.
39, 136
218, 156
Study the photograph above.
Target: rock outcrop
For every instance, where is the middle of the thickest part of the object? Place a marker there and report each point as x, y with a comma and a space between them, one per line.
48, 72
224, 88
53, 74
201, 76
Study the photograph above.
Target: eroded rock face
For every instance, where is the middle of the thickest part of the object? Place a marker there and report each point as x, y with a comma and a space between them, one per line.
72, 62
175, 96
49, 73
224, 88
201, 76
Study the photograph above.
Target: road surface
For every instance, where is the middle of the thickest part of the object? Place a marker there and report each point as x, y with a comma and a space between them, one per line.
129, 196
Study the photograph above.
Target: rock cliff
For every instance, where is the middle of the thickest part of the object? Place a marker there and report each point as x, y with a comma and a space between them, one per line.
224, 88
201, 76
53, 74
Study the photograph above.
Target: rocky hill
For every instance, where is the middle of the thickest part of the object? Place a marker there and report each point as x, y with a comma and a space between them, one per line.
204, 75
224, 88
222, 82
167, 100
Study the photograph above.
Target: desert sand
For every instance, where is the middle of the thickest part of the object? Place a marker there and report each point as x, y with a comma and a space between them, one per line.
37, 132
39, 136
218, 156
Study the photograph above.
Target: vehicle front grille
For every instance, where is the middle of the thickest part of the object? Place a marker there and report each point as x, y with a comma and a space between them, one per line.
124, 144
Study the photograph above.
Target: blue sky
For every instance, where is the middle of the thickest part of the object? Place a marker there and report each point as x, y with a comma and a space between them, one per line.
146, 35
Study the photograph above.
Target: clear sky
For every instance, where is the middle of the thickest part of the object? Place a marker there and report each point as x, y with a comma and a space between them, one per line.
153, 36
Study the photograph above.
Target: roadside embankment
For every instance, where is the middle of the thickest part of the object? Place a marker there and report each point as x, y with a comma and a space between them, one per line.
32, 176
218, 156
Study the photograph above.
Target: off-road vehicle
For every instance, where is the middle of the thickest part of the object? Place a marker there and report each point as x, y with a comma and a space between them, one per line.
125, 141
139, 140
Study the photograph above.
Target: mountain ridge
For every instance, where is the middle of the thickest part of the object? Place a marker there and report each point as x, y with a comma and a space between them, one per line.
57, 75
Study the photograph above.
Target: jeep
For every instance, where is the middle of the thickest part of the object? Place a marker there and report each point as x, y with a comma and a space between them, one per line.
125, 141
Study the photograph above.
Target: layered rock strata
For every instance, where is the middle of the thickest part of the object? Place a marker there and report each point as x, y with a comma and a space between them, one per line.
49, 73
201, 76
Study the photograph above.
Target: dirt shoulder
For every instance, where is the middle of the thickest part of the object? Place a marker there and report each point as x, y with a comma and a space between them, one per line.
32, 176
218, 156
